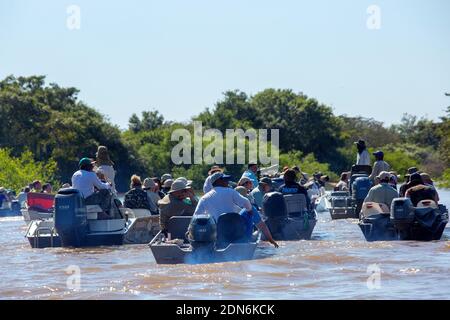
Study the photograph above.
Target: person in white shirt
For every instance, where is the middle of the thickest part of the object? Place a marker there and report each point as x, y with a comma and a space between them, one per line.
105, 165
207, 186
223, 199
86, 181
363, 156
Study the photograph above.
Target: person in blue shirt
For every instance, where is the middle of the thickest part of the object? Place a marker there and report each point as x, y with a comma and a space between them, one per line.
290, 186
251, 173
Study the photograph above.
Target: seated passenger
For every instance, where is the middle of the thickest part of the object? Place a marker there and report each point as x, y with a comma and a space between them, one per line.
248, 185
420, 191
404, 186
342, 185
292, 187
47, 188
264, 186
136, 198
382, 192
86, 181
22, 197
153, 197
4, 198
223, 199
167, 184
173, 203
36, 186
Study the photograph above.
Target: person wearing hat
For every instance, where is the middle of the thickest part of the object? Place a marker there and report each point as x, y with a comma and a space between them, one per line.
417, 190
382, 192
153, 197
264, 186
362, 157
404, 186
165, 176
379, 165
167, 184
207, 186
173, 203
104, 164
222, 199
136, 198
251, 173
86, 181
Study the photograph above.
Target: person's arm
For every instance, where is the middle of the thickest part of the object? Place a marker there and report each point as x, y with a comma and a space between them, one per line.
375, 170
98, 184
263, 227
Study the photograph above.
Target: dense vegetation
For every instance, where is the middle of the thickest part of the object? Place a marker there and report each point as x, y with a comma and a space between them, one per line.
46, 125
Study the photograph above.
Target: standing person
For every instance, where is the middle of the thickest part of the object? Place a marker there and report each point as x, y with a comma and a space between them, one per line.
86, 181
363, 157
264, 186
379, 166
153, 197
106, 166
207, 186
136, 198
251, 173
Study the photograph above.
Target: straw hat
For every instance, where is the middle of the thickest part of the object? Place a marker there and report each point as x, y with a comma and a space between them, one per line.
149, 183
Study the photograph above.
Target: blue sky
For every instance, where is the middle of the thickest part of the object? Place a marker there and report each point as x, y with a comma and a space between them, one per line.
179, 56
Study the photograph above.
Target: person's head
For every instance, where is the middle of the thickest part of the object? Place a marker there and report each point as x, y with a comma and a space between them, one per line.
379, 155
165, 177
325, 178
178, 189
415, 179
86, 164
246, 182
296, 169
384, 177
289, 176
344, 176
393, 179
26, 189
214, 169
360, 145
47, 188
253, 167
158, 184
285, 168
102, 157
243, 191
265, 185
219, 179
37, 185
167, 184
426, 178
2, 190
136, 182
149, 185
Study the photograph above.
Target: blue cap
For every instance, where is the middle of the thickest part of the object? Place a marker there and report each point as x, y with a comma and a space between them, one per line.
378, 153
219, 175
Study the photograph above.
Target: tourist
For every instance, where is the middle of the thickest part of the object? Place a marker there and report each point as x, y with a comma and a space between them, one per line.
417, 190
290, 186
47, 188
150, 187
382, 192
362, 157
251, 173
136, 197
379, 165
104, 163
264, 186
207, 186
342, 185
173, 203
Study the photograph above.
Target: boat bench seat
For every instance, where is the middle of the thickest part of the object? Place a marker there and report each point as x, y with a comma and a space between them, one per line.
93, 211
40, 202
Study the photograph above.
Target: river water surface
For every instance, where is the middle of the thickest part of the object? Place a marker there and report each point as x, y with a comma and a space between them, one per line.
335, 264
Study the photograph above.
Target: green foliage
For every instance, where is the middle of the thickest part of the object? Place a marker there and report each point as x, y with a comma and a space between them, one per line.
18, 172
444, 181
307, 164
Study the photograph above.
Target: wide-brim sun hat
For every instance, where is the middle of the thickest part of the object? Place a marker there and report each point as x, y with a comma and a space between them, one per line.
219, 175
168, 183
188, 182
266, 180
149, 183
384, 175
178, 185
244, 180
165, 177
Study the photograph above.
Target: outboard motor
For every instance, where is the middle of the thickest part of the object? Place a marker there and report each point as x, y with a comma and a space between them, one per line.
402, 213
71, 217
360, 189
202, 231
274, 205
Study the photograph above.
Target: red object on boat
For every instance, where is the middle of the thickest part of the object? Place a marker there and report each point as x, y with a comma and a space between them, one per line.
41, 202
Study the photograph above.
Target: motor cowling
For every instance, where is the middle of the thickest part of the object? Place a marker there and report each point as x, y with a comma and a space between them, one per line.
202, 231
274, 205
360, 188
71, 217
402, 212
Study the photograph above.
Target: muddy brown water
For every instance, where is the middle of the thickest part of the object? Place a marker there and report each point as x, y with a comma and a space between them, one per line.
336, 264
